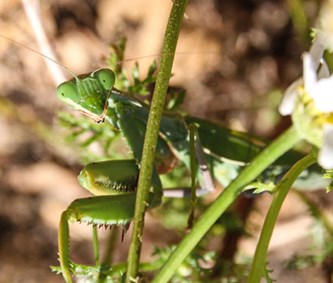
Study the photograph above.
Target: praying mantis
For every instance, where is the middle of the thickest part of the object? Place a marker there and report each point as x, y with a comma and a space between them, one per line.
114, 181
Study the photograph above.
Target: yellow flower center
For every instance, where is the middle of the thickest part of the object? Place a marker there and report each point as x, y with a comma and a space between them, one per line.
308, 119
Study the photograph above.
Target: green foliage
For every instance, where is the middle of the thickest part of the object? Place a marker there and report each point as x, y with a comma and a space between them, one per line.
96, 141
197, 267
132, 85
192, 269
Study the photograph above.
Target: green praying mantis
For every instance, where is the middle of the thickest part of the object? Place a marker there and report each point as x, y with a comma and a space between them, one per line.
114, 181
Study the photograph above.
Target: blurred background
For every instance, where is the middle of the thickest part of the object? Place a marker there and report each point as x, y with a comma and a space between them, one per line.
234, 58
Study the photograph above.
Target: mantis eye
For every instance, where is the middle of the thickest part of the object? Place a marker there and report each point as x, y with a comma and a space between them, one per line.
106, 77
68, 91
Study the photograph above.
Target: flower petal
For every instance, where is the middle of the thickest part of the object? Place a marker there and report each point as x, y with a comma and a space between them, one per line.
325, 157
317, 49
323, 72
309, 71
289, 99
322, 94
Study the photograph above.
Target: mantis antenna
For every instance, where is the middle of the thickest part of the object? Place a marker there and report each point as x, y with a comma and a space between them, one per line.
41, 54
122, 61
170, 53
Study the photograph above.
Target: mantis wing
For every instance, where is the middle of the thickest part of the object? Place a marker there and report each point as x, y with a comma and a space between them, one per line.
229, 150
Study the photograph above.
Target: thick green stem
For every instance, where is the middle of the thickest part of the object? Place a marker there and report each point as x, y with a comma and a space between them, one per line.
153, 125
282, 189
281, 145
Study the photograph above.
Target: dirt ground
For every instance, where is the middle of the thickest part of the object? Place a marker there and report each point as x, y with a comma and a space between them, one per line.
233, 58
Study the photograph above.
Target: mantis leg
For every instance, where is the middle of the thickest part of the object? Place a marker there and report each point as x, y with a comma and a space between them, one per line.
207, 180
194, 159
194, 169
117, 177
107, 211
100, 210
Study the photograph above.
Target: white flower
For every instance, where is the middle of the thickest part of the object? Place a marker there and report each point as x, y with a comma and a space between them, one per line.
310, 101
311, 62
325, 156
289, 99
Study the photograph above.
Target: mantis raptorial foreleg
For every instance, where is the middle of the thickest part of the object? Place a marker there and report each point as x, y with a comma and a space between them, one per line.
103, 210
116, 177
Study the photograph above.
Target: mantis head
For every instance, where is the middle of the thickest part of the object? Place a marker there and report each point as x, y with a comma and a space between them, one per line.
89, 93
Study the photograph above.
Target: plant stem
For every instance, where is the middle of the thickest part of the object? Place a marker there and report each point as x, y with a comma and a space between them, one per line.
153, 125
282, 189
95, 245
277, 148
